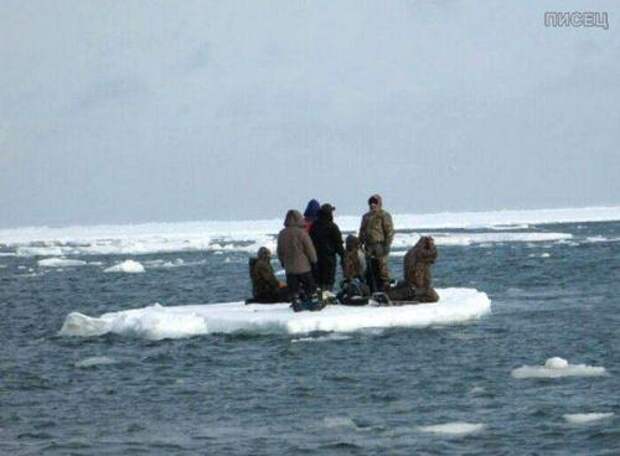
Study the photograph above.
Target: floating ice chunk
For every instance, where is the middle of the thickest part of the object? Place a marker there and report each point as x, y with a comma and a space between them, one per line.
39, 251
583, 418
558, 367
456, 305
129, 266
457, 428
95, 361
328, 338
477, 390
556, 363
153, 322
60, 263
339, 421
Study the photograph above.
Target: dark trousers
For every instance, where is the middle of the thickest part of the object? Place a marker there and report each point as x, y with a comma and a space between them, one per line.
326, 272
279, 295
301, 283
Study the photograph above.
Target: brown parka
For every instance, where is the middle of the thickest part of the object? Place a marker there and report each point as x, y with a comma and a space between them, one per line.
295, 249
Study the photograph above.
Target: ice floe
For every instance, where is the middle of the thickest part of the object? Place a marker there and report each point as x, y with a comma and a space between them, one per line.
60, 263
558, 367
585, 418
128, 266
95, 361
456, 305
328, 338
457, 428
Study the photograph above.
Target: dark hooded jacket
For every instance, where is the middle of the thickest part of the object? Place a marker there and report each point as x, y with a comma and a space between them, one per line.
326, 235
311, 213
264, 281
295, 249
377, 228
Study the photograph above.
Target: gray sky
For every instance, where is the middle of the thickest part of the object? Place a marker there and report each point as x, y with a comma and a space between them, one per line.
162, 111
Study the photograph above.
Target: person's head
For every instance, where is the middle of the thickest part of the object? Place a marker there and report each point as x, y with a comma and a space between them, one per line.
352, 242
312, 209
327, 212
264, 254
294, 218
374, 202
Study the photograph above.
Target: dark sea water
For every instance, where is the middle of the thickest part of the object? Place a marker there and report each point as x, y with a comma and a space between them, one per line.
367, 392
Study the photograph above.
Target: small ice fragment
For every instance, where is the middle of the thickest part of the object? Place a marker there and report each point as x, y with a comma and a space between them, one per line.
457, 428
556, 363
129, 266
95, 361
583, 418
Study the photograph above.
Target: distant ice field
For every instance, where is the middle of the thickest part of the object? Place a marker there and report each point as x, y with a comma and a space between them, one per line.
459, 229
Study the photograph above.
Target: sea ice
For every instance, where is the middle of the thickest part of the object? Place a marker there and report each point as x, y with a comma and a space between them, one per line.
584, 418
456, 428
95, 361
59, 263
129, 266
558, 367
156, 322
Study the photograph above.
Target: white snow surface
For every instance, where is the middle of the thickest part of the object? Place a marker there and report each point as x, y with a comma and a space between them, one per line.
128, 266
584, 418
456, 428
248, 236
557, 367
156, 322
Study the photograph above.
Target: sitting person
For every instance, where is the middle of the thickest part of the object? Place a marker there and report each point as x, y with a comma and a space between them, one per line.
417, 285
266, 289
353, 260
353, 289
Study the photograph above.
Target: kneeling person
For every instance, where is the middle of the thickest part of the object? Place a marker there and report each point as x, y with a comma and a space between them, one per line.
266, 288
417, 285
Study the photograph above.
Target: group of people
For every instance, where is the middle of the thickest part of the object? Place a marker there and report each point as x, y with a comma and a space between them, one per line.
308, 248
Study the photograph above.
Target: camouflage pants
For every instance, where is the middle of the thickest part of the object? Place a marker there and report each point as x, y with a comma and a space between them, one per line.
377, 271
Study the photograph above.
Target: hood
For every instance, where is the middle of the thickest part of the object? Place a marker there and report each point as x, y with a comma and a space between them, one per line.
294, 218
263, 254
326, 213
352, 242
378, 198
312, 209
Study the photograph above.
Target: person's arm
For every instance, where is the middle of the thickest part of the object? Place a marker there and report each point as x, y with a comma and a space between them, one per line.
279, 250
388, 231
362, 233
308, 247
337, 240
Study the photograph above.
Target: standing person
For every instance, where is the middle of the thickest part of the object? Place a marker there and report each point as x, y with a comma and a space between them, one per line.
266, 288
297, 255
327, 241
311, 213
376, 235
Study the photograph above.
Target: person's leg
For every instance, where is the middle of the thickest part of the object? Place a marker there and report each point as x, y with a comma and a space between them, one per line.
284, 294
307, 283
383, 272
330, 274
426, 295
292, 280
